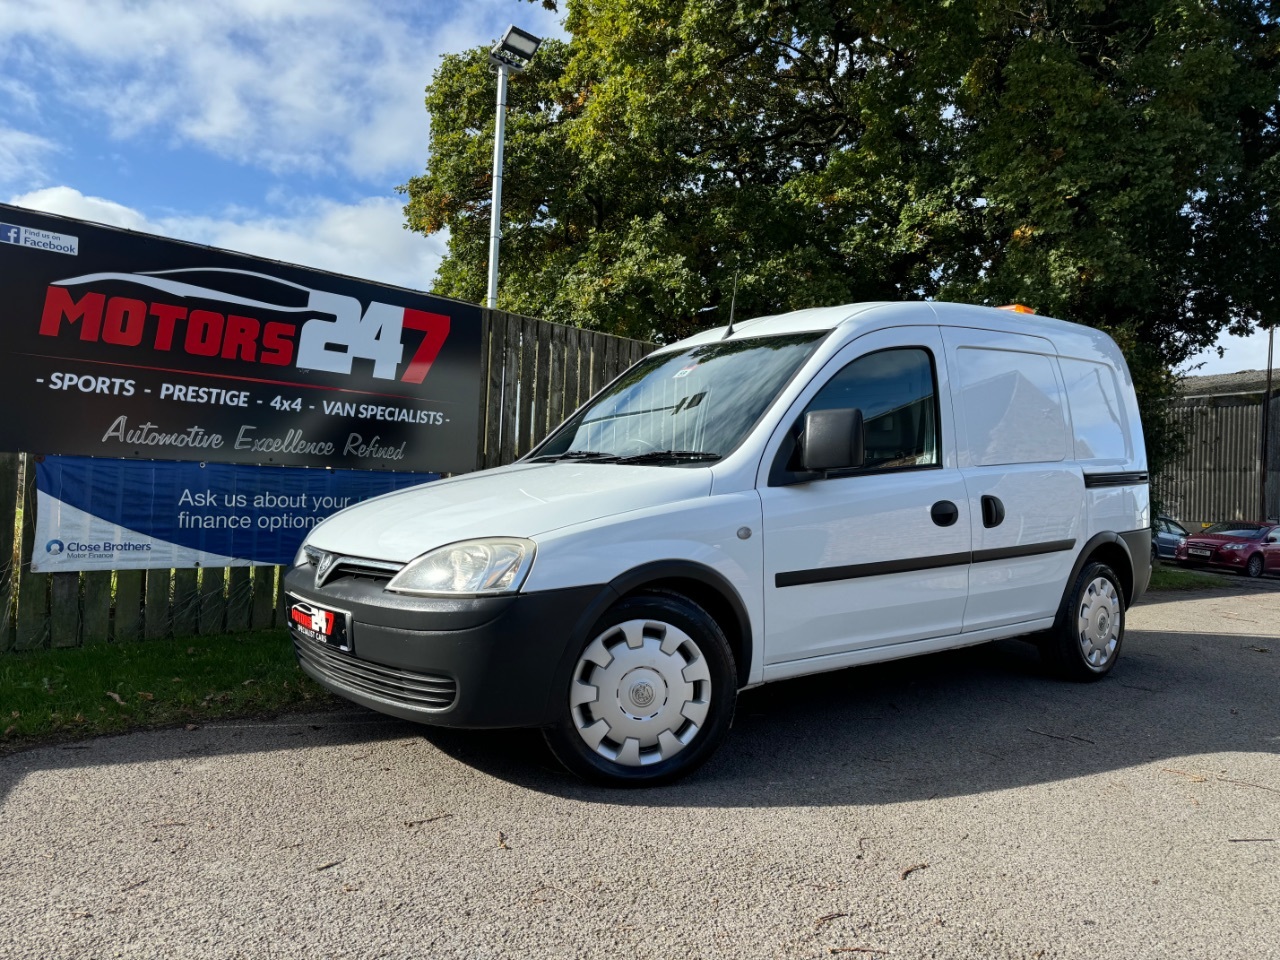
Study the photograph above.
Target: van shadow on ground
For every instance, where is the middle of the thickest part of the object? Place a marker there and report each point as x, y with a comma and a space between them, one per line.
963, 722
957, 723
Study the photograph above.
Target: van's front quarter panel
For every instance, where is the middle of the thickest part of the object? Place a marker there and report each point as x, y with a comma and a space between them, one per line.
721, 533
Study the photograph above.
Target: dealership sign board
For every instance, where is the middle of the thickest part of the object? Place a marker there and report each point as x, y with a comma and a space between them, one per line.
97, 514
122, 344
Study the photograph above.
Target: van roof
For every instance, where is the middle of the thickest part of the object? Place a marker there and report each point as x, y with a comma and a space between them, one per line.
884, 313
853, 319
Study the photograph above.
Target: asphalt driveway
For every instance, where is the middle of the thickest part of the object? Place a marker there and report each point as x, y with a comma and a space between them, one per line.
961, 805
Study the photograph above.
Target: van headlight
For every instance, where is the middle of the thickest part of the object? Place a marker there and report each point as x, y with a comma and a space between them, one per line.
478, 568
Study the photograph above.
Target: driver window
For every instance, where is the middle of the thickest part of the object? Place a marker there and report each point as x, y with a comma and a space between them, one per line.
895, 391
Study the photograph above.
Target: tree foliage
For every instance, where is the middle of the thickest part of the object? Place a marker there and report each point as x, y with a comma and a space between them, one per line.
1112, 162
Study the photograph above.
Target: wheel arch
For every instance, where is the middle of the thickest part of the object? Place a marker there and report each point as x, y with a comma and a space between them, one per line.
705, 587
1111, 549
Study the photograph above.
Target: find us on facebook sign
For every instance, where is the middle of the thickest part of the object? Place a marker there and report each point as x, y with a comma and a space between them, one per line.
39, 239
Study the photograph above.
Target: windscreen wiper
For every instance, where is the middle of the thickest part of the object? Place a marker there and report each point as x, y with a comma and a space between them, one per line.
593, 455
665, 456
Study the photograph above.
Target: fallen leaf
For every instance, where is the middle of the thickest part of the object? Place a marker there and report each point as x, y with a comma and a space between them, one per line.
15, 715
9, 729
191, 649
143, 695
192, 726
912, 869
116, 697
247, 682
502, 841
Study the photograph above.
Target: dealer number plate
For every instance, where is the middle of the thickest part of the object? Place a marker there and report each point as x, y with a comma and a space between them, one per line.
320, 624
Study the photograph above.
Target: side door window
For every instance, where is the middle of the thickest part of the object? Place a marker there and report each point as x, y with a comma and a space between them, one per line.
897, 392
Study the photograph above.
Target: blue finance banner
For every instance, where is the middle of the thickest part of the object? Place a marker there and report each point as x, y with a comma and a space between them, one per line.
100, 514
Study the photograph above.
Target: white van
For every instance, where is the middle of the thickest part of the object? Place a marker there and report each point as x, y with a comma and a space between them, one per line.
799, 493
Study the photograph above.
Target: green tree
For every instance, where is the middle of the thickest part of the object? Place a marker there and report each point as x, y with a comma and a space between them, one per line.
1112, 162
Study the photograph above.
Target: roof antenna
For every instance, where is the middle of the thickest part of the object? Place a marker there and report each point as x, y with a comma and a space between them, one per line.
728, 331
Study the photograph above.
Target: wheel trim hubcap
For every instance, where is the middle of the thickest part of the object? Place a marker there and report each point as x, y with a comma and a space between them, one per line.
1098, 623
641, 691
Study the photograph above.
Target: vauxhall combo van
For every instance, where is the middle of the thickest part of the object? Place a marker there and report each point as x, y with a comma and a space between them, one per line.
793, 494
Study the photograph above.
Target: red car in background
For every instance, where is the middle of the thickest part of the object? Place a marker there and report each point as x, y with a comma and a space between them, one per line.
1252, 548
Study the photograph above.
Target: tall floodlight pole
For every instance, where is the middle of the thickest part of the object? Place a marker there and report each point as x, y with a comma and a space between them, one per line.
512, 52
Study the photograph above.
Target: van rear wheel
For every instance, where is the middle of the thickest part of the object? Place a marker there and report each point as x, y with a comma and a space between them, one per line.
1085, 641
650, 696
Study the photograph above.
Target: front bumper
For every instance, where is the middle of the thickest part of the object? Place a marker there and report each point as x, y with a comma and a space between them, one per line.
478, 662
1232, 559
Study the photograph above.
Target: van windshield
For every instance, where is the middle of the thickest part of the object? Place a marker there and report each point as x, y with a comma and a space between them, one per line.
693, 406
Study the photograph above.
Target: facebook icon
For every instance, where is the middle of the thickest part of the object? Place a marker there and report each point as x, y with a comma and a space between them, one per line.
10, 234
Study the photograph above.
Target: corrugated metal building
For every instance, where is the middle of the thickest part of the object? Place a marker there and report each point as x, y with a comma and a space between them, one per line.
1219, 475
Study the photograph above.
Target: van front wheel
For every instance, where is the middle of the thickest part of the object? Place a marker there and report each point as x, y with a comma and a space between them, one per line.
650, 696
1084, 643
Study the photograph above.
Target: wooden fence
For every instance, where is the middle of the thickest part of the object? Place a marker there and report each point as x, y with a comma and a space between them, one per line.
533, 374
538, 373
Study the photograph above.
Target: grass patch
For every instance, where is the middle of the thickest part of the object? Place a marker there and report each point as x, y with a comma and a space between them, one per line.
57, 695
1167, 577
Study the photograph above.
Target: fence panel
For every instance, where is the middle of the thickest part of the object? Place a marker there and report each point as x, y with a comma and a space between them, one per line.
127, 623
95, 623
262, 610
159, 604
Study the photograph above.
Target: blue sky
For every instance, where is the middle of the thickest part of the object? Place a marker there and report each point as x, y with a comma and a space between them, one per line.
274, 127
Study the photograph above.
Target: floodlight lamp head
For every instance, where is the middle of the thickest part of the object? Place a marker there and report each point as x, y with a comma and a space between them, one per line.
515, 49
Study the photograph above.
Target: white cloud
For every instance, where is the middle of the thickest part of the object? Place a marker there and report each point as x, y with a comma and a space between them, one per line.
287, 85
364, 239
21, 155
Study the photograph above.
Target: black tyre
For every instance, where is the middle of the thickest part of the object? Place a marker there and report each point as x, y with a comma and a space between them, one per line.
650, 696
1085, 640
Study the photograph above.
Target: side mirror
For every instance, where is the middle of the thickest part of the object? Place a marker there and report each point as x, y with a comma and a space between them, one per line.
832, 440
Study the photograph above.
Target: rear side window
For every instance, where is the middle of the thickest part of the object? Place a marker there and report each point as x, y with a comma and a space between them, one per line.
1101, 432
895, 391
1012, 407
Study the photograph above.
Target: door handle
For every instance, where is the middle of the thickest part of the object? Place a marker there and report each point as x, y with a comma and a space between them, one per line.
992, 511
944, 513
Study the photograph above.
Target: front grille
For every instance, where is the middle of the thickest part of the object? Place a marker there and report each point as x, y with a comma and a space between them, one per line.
417, 691
364, 569
333, 566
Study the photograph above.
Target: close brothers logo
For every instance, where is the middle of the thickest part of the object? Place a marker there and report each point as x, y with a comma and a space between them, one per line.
57, 548
305, 328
